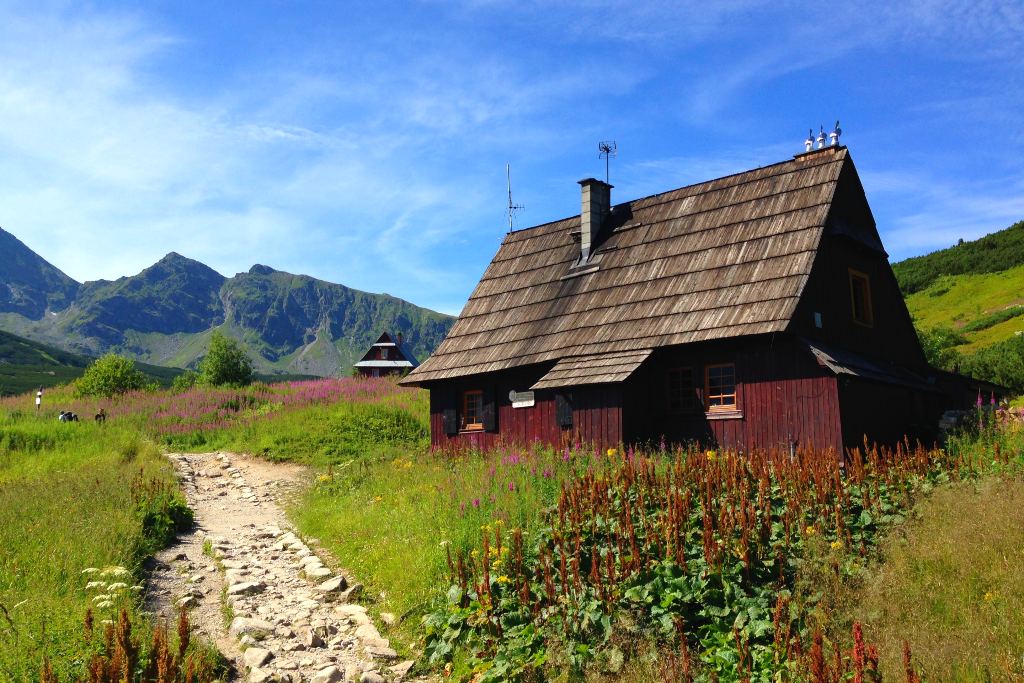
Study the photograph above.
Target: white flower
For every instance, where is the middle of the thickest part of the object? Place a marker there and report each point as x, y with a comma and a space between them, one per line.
90, 570
115, 571
95, 584
103, 605
103, 597
106, 621
135, 588
117, 586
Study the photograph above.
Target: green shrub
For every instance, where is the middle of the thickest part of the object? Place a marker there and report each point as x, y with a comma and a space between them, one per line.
225, 362
110, 375
185, 381
939, 346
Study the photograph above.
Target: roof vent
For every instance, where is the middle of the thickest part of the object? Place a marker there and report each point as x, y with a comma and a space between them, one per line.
821, 138
834, 135
809, 142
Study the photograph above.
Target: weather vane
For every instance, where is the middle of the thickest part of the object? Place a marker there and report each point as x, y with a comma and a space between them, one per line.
607, 150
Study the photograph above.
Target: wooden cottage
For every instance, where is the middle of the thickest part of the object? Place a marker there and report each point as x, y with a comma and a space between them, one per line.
387, 356
757, 310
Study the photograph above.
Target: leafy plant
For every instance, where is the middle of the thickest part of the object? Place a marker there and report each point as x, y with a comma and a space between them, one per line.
109, 376
185, 381
225, 362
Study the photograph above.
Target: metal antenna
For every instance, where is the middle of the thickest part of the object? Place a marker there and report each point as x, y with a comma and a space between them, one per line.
512, 208
607, 150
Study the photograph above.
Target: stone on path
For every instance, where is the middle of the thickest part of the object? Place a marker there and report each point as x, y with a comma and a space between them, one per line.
255, 657
311, 639
367, 632
242, 625
371, 677
381, 653
329, 675
401, 669
351, 593
260, 676
246, 588
334, 585
319, 572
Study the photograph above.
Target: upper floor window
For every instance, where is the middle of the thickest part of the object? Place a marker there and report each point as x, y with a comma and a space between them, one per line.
720, 387
384, 353
680, 390
473, 410
860, 296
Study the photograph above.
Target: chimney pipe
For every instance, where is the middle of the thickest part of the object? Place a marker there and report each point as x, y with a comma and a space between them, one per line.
597, 198
399, 338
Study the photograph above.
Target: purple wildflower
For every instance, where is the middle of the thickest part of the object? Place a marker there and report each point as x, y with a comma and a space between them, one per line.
476, 502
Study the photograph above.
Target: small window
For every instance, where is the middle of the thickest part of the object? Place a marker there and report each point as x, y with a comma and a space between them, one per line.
384, 353
376, 372
680, 390
473, 410
860, 296
721, 387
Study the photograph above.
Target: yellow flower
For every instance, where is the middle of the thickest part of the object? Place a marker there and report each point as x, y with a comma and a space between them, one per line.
475, 553
810, 531
408, 464
836, 545
379, 498
711, 455
611, 452
503, 579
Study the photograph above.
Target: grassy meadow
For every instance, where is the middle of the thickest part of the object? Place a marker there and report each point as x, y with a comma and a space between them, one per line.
75, 498
530, 563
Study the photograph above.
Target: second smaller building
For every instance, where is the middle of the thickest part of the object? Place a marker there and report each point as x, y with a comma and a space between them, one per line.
386, 357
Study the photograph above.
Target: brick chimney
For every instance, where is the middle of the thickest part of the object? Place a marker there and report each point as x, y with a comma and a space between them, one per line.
597, 199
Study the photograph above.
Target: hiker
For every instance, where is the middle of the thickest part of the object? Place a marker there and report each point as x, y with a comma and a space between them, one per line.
63, 417
101, 416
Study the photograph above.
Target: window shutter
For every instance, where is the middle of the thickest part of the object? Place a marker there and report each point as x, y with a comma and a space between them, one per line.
451, 419
490, 410
563, 409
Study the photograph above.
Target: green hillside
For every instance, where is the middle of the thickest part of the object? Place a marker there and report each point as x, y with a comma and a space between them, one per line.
968, 305
26, 365
29, 285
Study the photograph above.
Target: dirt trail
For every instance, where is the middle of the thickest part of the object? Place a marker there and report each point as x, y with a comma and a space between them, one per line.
291, 616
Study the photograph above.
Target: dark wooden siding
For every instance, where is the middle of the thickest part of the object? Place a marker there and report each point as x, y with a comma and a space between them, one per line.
783, 397
597, 413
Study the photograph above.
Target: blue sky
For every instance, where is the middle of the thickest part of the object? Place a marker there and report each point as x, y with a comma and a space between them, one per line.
366, 143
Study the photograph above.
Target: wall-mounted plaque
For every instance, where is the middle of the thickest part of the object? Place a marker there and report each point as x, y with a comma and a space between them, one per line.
521, 399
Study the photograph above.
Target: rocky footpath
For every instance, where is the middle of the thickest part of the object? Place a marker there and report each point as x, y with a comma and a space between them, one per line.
290, 617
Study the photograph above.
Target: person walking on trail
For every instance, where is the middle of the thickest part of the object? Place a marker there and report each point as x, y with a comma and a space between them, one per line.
101, 416
39, 399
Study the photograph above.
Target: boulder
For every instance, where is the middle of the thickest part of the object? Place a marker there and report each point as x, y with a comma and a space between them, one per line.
242, 625
367, 631
371, 677
353, 671
260, 676
255, 657
329, 675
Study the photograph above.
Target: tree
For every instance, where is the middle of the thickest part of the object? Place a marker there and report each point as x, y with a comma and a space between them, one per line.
111, 375
225, 362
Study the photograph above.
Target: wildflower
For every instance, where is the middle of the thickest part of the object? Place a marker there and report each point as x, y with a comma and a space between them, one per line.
476, 502
103, 597
547, 474
117, 586
115, 571
462, 507
810, 531
611, 452
90, 570
105, 604
511, 486
711, 455
135, 588
836, 545
503, 579
988, 595
95, 584
475, 553
379, 498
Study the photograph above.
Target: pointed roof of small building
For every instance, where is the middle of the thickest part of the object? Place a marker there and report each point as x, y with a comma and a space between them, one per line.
405, 358
724, 258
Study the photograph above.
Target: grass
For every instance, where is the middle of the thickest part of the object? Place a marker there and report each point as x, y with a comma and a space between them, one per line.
957, 301
71, 498
951, 584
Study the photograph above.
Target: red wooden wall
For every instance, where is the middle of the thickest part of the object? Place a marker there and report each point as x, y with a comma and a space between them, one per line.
597, 413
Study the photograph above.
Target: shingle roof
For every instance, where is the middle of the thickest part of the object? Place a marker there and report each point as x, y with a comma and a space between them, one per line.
724, 258
596, 369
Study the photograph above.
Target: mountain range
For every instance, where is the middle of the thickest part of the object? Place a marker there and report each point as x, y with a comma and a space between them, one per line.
165, 314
